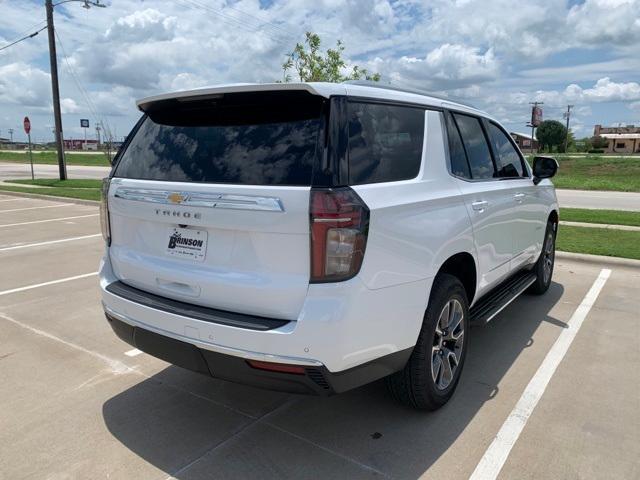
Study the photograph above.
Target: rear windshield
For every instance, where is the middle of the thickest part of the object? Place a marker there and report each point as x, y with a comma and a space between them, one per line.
247, 139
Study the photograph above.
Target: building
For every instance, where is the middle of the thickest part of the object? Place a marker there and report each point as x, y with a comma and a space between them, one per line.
525, 141
620, 139
80, 144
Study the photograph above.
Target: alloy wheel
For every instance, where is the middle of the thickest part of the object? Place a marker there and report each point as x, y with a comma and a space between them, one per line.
448, 340
549, 256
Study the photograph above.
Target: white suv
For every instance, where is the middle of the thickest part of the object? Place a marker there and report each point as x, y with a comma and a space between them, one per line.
314, 237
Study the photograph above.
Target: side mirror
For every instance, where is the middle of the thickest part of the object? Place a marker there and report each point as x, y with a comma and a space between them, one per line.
544, 167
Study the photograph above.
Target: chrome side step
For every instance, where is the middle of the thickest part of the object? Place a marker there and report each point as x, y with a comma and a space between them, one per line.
495, 301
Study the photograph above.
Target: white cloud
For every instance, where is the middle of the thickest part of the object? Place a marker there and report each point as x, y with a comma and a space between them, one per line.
25, 85
143, 26
491, 52
605, 91
69, 105
445, 67
597, 22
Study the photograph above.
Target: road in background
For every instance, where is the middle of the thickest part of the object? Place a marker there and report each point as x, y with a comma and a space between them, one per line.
599, 200
12, 170
67, 152
567, 198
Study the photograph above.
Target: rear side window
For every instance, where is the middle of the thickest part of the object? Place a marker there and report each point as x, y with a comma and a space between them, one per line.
459, 164
507, 158
476, 146
246, 140
385, 142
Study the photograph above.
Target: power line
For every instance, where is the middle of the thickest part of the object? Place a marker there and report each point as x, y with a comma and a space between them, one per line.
264, 21
23, 38
83, 92
236, 22
32, 27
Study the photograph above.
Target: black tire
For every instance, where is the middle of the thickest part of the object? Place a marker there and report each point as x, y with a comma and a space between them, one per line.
415, 384
544, 266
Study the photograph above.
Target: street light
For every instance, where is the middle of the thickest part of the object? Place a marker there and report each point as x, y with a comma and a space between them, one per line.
55, 88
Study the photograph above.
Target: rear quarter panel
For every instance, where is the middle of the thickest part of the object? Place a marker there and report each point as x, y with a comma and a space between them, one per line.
415, 225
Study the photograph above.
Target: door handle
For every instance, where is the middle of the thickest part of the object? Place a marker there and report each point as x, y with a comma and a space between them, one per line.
518, 197
480, 205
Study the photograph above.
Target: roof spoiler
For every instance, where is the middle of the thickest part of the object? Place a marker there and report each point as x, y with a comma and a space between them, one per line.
218, 91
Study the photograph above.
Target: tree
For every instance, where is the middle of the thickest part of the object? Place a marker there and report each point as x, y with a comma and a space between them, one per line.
551, 133
599, 142
571, 144
583, 144
312, 66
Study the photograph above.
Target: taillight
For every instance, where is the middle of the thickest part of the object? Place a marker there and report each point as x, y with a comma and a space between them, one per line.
339, 227
104, 211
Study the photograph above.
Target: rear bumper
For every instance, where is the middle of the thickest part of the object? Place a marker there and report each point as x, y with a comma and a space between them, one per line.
315, 380
340, 326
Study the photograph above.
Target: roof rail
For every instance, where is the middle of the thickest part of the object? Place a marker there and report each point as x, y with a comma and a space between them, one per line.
369, 83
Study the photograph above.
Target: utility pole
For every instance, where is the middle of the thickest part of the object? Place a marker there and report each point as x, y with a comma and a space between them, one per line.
11, 134
98, 133
567, 115
62, 167
57, 115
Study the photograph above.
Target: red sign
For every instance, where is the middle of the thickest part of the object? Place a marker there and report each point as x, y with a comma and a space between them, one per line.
536, 116
27, 125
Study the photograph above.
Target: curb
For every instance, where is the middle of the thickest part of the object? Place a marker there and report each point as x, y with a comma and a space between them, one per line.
598, 259
607, 226
80, 201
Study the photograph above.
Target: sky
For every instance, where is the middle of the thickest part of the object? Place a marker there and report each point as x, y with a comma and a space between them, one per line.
497, 55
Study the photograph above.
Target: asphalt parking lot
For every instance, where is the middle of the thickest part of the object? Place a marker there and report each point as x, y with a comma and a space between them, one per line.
76, 402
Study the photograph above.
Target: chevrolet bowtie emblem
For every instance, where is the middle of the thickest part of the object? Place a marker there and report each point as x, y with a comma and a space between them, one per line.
176, 197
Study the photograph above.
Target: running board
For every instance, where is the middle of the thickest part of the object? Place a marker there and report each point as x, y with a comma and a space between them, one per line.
495, 301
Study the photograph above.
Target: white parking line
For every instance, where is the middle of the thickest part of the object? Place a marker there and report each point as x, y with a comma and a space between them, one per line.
496, 455
50, 220
2, 199
44, 284
117, 367
133, 353
50, 242
35, 208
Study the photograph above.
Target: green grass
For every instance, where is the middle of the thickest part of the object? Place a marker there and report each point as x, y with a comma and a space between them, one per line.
50, 158
599, 241
82, 193
52, 182
598, 173
613, 217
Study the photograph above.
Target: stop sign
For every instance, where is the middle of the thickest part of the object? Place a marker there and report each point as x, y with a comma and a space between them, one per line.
27, 125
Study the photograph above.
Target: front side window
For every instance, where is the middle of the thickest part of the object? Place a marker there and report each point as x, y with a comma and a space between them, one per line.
507, 158
385, 142
476, 146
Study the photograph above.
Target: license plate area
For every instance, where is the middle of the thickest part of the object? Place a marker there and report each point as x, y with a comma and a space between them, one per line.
187, 243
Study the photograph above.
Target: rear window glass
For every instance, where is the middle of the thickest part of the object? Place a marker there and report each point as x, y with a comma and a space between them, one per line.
257, 141
385, 142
